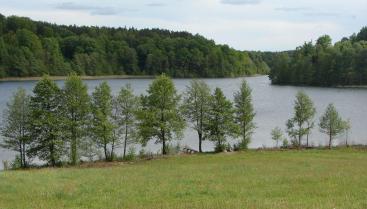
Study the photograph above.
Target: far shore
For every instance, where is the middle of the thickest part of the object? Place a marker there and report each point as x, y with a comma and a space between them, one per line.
102, 77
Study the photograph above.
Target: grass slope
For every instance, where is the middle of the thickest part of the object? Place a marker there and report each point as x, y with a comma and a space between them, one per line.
255, 179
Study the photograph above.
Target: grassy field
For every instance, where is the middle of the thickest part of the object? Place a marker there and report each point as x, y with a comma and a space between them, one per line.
255, 179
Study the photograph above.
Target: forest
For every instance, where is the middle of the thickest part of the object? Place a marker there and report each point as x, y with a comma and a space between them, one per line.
322, 63
32, 48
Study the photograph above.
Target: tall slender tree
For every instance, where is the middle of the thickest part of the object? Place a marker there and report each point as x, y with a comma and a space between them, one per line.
76, 107
15, 127
127, 105
301, 123
331, 123
46, 122
160, 117
244, 114
196, 107
221, 120
102, 127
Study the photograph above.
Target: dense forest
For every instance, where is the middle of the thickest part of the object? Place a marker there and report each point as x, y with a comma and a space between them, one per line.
322, 63
32, 48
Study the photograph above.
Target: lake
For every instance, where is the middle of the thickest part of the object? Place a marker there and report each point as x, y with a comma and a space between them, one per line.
273, 106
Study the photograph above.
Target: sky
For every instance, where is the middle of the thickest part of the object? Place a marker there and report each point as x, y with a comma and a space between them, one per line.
266, 25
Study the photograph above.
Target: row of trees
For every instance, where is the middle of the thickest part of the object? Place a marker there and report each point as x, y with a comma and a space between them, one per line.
322, 64
30, 48
55, 124
302, 122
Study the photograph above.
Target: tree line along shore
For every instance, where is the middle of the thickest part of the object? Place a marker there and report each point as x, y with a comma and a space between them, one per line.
32, 48
63, 125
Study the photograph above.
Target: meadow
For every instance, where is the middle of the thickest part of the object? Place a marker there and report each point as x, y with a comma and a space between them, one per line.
253, 179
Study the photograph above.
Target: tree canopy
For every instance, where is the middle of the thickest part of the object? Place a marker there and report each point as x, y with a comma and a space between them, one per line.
31, 48
322, 63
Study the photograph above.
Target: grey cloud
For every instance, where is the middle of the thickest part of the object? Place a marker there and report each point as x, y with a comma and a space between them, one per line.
93, 10
240, 2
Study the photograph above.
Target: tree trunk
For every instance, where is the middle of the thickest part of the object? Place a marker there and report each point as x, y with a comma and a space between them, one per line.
125, 142
164, 151
105, 151
330, 139
200, 141
21, 154
73, 148
299, 141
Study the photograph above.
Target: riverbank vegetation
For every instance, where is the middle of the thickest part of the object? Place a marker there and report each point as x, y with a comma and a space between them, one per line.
31, 48
255, 179
67, 125
322, 63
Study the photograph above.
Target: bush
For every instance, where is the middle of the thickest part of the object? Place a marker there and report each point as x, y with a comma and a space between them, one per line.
285, 143
131, 154
223, 147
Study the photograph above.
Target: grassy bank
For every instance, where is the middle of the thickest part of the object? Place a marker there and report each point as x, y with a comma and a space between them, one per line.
255, 179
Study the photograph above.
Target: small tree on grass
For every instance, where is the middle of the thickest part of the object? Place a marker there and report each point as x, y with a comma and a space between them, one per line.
160, 117
277, 135
76, 110
47, 122
196, 107
347, 126
302, 121
331, 123
221, 120
102, 127
244, 114
15, 128
127, 105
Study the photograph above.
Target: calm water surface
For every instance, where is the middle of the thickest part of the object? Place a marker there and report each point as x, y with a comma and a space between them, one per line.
273, 106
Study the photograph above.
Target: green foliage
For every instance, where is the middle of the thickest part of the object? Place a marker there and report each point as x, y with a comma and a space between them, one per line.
15, 127
244, 114
160, 117
277, 135
102, 126
125, 107
302, 121
322, 64
196, 107
36, 48
76, 109
46, 122
221, 120
331, 123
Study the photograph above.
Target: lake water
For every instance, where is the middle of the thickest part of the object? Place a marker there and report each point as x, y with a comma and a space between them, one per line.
273, 106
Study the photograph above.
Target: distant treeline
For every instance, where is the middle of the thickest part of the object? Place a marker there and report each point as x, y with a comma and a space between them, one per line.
31, 48
322, 64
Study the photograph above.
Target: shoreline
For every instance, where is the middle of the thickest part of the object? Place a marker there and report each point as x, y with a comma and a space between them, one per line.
57, 78
107, 77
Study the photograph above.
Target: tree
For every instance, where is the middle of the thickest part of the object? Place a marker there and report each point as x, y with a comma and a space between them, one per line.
331, 123
347, 126
127, 105
76, 107
15, 128
244, 114
196, 107
159, 116
221, 120
302, 121
102, 127
46, 121
277, 135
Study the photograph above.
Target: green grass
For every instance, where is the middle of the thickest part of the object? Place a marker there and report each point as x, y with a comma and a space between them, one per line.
256, 179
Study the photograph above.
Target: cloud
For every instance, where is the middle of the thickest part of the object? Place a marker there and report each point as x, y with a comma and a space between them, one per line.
93, 10
240, 2
155, 4
322, 14
293, 9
